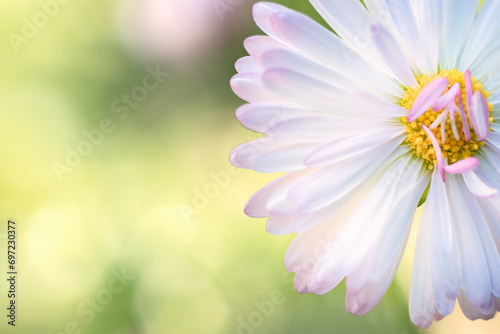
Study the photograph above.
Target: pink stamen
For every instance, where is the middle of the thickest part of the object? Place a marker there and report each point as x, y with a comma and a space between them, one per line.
463, 116
437, 150
447, 98
480, 115
462, 166
468, 94
426, 98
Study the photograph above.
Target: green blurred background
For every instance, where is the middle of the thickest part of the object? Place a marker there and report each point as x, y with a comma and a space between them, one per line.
135, 235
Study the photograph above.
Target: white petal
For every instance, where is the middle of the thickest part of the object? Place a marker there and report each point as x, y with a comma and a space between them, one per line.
444, 247
267, 156
332, 184
475, 273
493, 141
399, 18
257, 45
487, 241
422, 309
393, 56
346, 147
287, 60
364, 227
261, 116
457, 23
279, 225
439, 209
248, 86
477, 186
256, 205
308, 92
317, 43
351, 21
472, 312
370, 280
300, 281
484, 33
247, 65
320, 129
429, 16
376, 108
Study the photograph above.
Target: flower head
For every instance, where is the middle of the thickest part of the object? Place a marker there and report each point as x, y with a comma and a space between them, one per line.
400, 108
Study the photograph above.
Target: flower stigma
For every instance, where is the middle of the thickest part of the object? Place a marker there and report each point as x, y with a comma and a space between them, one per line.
448, 120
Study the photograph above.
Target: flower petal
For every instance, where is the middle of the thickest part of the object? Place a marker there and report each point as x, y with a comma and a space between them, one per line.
392, 55
477, 186
346, 147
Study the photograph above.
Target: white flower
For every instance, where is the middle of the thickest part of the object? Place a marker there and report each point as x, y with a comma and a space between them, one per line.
368, 125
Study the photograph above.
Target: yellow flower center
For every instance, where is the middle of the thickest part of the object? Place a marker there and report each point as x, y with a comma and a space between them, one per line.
446, 124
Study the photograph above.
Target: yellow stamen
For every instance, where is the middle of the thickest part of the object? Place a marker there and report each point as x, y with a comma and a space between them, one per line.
453, 150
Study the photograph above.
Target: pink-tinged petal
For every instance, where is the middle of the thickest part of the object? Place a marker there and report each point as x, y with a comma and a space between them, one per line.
300, 281
247, 65
437, 150
319, 44
260, 44
481, 115
427, 96
472, 312
463, 116
477, 186
262, 13
447, 98
268, 156
248, 86
462, 166
256, 205
279, 225
260, 117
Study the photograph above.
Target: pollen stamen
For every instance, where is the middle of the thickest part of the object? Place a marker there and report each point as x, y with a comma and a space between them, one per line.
440, 140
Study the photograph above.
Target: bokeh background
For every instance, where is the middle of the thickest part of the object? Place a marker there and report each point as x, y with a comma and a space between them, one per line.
140, 228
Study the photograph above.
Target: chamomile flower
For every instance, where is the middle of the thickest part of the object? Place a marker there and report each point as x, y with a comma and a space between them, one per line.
398, 107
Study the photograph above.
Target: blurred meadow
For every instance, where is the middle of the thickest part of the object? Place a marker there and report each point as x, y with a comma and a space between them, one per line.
117, 120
